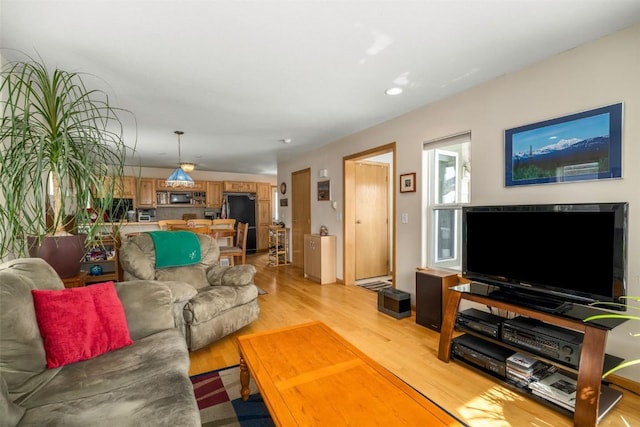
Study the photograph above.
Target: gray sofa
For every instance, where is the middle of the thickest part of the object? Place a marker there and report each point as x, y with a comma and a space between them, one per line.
216, 300
143, 384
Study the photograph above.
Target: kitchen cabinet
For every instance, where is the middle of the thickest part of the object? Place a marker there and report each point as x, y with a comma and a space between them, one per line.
214, 194
262, 238
124, 187
146, 194
320, 258
263, 224
161, 184
238, 187
263, 191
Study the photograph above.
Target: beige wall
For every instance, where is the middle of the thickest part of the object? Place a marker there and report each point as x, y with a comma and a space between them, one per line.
599, 73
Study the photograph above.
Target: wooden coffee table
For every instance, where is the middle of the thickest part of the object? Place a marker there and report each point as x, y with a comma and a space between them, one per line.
309, 375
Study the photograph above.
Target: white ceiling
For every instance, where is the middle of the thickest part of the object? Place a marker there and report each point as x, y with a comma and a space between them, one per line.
239, 76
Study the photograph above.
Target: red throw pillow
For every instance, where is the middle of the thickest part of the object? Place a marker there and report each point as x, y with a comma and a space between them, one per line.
80, 323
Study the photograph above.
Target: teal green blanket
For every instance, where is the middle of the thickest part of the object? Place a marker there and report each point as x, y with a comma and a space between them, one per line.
175, 248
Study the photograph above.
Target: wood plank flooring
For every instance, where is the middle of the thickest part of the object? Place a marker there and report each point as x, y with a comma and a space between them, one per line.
403, 347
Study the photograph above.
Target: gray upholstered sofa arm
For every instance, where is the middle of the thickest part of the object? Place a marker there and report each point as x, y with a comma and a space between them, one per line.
182, 294
239, 275
148, 306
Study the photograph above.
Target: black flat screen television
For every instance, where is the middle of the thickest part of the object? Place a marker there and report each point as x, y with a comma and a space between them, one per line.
548, 255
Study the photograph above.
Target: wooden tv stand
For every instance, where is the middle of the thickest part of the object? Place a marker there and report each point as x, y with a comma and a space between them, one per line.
592, 357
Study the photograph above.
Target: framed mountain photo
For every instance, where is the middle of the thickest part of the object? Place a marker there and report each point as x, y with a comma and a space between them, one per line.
577, 147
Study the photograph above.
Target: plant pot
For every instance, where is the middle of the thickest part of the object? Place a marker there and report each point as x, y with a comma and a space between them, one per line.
63, 253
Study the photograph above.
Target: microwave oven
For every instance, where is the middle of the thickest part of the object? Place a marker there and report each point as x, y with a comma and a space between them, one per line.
146, 215
180, 198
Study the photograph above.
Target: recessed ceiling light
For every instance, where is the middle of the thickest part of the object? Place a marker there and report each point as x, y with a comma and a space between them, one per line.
286, 140
393, 91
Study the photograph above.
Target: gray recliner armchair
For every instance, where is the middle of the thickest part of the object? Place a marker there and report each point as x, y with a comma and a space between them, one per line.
213, 300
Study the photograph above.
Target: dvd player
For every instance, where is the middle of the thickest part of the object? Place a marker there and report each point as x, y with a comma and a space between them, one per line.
486, 355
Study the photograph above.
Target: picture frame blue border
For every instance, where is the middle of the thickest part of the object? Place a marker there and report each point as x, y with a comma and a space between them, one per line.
577, 147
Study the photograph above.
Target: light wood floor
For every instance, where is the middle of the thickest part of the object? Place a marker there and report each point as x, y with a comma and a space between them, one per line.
402, 346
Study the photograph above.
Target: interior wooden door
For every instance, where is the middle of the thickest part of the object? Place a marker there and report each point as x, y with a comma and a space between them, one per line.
300, 214
372, 219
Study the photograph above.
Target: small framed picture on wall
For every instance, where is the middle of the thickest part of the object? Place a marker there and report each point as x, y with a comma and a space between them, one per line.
324, 190
408, 182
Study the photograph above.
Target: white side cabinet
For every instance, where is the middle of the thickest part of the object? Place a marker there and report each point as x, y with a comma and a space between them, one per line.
320, 258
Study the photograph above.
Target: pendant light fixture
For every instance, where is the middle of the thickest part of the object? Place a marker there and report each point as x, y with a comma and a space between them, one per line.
187, 166
179, 177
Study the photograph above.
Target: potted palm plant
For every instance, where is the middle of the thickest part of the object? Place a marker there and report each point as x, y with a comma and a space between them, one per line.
634, 314
60, 142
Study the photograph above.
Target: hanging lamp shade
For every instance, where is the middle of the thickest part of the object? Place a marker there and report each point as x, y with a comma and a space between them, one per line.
179, 177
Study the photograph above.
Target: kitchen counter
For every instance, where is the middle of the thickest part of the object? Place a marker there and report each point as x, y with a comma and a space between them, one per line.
126, 223
125, 228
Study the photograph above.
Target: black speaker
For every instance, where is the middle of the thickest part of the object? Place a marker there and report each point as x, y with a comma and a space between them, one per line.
431, 292
394, 303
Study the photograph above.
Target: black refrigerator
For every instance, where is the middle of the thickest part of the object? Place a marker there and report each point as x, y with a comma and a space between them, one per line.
242, 207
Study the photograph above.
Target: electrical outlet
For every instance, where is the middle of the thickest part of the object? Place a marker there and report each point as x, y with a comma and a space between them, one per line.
405, 218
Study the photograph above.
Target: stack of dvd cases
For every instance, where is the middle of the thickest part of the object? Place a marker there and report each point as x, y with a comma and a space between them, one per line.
523, 369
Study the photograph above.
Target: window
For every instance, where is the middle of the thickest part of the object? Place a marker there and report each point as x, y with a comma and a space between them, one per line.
274, 202
447, 175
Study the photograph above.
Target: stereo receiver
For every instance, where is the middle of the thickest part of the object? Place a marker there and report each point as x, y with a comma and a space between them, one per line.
547, 340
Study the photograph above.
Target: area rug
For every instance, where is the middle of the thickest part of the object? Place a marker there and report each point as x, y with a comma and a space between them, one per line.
220, 403
375, 286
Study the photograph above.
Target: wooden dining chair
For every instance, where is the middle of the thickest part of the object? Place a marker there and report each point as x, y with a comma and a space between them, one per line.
199, 221
225, 223
166, 223
200, 226
239, 250
198, 229
195, 228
